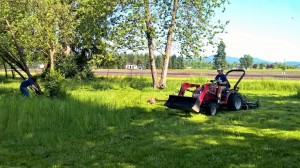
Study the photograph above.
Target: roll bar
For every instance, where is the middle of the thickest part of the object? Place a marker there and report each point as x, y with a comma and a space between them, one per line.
241, 77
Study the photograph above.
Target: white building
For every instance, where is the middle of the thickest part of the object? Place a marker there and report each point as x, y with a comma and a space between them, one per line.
131, 67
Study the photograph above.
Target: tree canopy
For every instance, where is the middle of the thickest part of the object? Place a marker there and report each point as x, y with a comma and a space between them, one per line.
48, 30
246, 61
42, 30
220, 57
163, 24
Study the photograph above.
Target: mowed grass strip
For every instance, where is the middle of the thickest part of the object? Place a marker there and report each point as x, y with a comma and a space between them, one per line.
107, 122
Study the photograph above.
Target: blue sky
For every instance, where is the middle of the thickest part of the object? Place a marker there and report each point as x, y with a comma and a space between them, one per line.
266, 29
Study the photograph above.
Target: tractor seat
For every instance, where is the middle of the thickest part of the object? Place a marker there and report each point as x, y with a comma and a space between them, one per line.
225, 90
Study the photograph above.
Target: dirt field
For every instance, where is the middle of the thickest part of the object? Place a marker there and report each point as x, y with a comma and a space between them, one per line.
292, 75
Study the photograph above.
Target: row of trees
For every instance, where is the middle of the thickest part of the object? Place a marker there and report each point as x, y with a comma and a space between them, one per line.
121, 60
180, 62
246, 61
49, 30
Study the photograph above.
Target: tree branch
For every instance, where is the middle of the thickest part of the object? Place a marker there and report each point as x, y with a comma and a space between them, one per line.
19, 49
14, 68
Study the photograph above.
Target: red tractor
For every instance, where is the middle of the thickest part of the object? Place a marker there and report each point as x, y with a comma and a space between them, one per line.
204, 98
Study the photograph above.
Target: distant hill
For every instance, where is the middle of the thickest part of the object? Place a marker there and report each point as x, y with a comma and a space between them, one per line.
231, 60
292, 63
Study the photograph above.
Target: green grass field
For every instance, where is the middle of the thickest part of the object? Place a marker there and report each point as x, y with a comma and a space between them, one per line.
108, 123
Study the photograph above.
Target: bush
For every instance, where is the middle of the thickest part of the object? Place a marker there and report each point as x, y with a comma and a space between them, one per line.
53, 85
67, 66
74, 66
85, 74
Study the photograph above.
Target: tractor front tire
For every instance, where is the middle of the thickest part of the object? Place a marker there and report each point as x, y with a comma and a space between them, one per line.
235, 102
211, 108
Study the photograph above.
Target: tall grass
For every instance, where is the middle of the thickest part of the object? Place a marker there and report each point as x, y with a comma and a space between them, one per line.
298, 92
107, 122
270, 85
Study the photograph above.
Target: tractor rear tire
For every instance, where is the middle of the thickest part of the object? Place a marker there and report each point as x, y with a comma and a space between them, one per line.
235, 102
211, 108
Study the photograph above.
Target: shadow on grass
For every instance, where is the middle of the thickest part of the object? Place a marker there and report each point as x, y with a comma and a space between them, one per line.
276, 112
5, 91
72, 133
8, 80
39, 132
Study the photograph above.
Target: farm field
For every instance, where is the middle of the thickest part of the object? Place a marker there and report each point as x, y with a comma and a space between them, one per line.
292, 74
107, 122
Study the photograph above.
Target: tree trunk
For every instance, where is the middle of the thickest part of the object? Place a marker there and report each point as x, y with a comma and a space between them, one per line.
5, 68
149, 33
21, 63
153, 66
12, 73
52, 52
166, 58
67, 50
13, 68
13, 60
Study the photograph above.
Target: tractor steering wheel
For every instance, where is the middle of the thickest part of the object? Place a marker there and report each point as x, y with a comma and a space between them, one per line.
214, 81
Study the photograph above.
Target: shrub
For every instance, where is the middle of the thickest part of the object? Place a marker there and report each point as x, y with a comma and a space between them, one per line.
53, 85
74, 66
67, 66
85, 74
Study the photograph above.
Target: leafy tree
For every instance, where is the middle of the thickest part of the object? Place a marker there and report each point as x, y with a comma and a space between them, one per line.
262, 65
40, 29
284, 67
35, 27
158, 61
132, 29
54, 24
173, 61
270, 66
143, 23
220, 57
16, 35
145, 60
279, 65
180, 62
176, 62
246, 61
91, 30
120, 61
255, 66
189, 22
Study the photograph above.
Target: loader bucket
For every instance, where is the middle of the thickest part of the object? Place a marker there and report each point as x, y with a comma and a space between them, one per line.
183, 103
